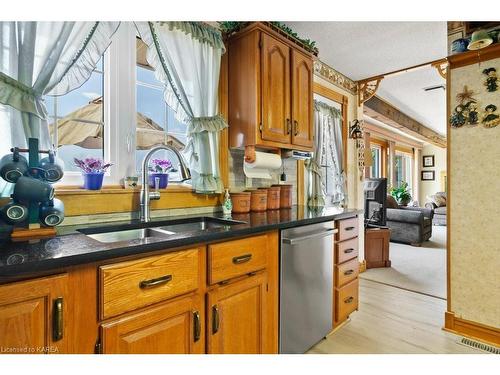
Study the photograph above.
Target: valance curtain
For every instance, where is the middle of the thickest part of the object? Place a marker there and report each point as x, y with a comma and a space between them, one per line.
186, 57
43, 58
328, 154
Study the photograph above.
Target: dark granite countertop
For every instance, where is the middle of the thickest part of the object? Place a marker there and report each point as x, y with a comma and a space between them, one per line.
70, 247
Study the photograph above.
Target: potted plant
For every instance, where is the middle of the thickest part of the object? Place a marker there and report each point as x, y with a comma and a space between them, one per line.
93, 170
159, 168
401, 194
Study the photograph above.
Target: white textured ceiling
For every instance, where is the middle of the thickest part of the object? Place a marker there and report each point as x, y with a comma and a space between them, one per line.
366, 49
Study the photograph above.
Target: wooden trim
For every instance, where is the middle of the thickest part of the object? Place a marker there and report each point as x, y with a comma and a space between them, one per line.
362, 266
388, 135
344, 102
385, 112
404, 70
404, 150
474, 57
487, 334
300, 182
448, 192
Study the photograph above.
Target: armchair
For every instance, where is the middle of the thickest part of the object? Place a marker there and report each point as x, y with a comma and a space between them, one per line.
411, 225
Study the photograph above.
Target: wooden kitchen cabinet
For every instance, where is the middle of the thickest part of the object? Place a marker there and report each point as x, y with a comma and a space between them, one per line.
34, 316
237, 317
270, 94
174, 327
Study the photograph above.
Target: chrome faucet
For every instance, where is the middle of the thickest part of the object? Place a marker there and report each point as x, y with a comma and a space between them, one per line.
147, 195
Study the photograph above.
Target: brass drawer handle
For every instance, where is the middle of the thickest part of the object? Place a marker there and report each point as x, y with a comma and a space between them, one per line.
197, 325
242, 258
58, 323
348, 272
349, 300
295, 128
215, 319
349, 228
288, 126
145, 284
347, 251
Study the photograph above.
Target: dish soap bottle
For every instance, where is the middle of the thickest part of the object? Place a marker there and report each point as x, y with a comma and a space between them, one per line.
227, 207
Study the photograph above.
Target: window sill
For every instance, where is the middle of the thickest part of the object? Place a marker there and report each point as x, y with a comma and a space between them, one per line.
117, 189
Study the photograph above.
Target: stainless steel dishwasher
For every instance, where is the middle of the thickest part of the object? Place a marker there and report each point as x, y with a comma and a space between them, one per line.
306, 286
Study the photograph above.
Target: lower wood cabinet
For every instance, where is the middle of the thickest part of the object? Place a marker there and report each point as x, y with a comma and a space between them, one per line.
174, 327
238, 316
33, 316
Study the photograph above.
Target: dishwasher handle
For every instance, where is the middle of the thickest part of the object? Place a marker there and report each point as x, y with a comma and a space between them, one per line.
293, 241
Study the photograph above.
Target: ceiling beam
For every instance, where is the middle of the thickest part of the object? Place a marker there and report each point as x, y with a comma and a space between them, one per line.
385, 112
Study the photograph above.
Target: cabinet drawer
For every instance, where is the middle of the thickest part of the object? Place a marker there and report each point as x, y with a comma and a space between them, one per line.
348, 228
235, 258
346, 250
346, 300
129, 285
346, 272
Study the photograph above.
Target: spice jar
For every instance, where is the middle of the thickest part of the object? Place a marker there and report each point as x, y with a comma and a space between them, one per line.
241, 202
258, 200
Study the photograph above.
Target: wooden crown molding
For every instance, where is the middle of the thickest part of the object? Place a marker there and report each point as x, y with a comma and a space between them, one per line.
338, 79
474, 57
385, 112
474, 330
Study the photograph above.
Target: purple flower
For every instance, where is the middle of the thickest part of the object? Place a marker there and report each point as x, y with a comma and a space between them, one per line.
160, 165
92, 165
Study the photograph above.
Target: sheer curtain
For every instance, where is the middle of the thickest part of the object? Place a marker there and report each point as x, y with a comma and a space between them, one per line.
328, 155
37, 59
186, 57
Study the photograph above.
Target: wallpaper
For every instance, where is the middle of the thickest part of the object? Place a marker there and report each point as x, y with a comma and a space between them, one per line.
474, 174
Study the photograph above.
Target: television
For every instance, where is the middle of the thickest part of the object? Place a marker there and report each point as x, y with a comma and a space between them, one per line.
375, 194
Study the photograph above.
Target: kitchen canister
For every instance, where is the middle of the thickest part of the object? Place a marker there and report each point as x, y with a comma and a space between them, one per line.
285, 195
241, 202
29, 189
258, 200
13, 166
273, 198
14, 212
51, 213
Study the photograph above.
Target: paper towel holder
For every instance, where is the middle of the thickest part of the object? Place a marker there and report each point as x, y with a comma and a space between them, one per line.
250, 153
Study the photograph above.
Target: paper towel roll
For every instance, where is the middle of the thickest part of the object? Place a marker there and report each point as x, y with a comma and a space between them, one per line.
263, 165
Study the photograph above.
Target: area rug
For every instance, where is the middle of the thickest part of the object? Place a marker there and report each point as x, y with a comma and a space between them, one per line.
418, 269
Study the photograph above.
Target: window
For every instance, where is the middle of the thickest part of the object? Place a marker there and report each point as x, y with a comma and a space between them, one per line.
403, 168
156, 122
376, 168
76, 120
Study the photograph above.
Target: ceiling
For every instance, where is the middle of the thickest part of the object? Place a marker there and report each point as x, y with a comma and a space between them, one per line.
365, 49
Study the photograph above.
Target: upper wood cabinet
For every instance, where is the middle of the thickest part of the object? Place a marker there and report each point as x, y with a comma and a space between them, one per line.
270, 95
33, 316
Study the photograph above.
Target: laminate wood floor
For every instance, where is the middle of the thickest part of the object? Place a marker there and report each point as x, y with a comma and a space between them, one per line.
392, 320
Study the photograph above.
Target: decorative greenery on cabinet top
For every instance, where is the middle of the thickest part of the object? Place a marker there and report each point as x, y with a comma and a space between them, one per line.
230, 27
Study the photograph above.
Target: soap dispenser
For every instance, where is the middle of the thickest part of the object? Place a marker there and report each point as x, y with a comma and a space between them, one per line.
227, 207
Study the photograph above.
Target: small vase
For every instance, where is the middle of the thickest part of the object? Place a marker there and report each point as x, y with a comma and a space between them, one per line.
163, 180
93, 181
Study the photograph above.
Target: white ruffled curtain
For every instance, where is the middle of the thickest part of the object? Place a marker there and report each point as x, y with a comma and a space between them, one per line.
328, 152
37, 59
186, 57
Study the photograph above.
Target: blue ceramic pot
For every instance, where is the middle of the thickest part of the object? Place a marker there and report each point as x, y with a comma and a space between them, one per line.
163, 180
93, 181
459, 45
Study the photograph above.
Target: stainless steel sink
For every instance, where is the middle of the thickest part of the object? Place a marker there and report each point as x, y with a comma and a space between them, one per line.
161, 231
199, 224
130, 234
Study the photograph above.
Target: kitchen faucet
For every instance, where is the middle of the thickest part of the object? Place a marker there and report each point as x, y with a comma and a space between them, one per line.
146, 195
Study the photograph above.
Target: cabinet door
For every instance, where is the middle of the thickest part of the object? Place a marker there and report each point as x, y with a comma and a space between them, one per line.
302, 100
33, 316
237, 316
276, 112
174, 327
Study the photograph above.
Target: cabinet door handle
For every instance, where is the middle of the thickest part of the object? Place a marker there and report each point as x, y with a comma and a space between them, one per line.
242, 258
349, 228
58, 321
295, 128
348, 272
288, 126
349, 300
347, 251
215, 319
145, 284
197, 325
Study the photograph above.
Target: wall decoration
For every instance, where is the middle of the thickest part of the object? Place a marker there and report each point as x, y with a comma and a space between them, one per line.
490, 118
338, 79
465, 113
428, 176
491, 82
428, 161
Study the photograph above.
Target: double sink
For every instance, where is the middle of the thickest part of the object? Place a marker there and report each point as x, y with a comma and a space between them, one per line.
158, 230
